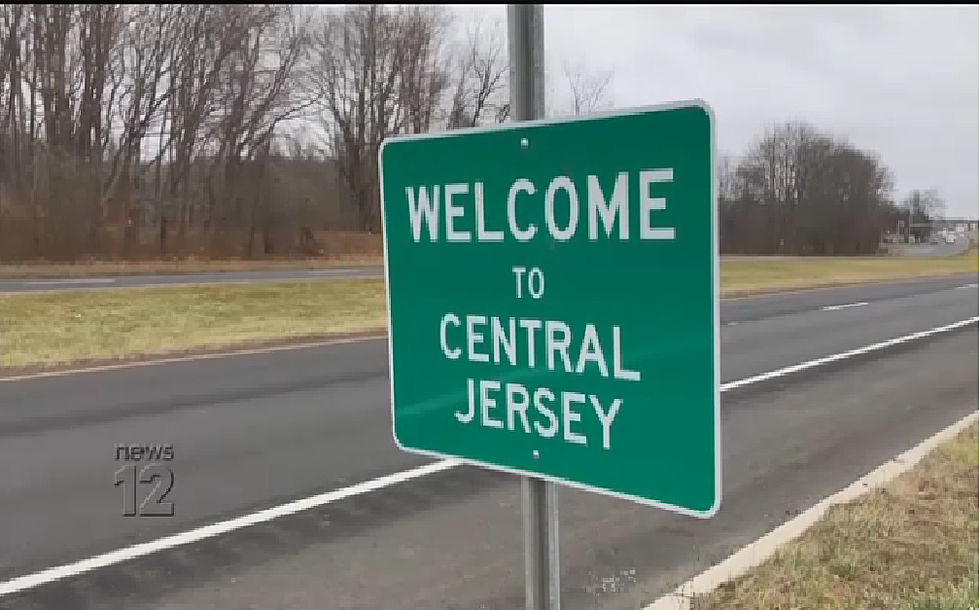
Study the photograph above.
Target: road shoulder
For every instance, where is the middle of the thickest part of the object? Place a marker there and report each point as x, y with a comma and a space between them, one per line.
904, 536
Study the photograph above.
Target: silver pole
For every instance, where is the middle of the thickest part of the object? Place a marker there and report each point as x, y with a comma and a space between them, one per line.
525, 33
908, 229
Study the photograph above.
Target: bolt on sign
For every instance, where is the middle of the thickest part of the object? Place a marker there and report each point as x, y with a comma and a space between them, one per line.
553, 301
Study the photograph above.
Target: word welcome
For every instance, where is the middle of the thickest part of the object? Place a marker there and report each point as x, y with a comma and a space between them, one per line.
602, 213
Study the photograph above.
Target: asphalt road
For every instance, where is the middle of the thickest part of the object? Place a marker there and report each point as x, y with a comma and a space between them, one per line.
254, 431
142, 281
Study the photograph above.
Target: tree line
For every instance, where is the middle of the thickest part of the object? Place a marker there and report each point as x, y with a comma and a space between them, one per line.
135, 131
799, 191
162, 130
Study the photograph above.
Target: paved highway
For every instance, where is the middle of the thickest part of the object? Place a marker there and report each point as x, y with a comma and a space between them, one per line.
254, 431
142, 281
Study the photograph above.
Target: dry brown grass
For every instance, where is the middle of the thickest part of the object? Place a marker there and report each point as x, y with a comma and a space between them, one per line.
68, 327
749, 276
202, 255
350, 248
911, 545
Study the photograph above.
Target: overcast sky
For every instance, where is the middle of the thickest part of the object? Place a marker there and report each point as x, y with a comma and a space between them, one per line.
901, 80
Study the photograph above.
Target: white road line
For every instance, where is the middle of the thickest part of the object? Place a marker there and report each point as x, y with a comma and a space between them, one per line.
796, 368
179, 359
967, 286
50, 575
847, 306
30, 581
105, 280
762, 549
329, 272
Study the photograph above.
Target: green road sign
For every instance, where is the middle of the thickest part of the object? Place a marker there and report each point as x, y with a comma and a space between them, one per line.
553, 295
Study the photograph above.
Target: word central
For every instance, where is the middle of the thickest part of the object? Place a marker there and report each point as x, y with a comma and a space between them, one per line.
602, 211
534, 343
552, 339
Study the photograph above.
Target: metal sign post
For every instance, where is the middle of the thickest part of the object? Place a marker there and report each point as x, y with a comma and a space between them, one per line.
591, 202
525, 34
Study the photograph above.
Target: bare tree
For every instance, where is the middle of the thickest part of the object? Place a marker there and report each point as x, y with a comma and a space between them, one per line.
13, 23
919, 209
425, 77
210, 35
127, 128
140, 70
360, 57
256, 97
798, 191
585, 90
480, 70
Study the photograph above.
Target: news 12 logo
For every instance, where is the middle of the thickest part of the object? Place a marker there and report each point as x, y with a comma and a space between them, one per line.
145, 467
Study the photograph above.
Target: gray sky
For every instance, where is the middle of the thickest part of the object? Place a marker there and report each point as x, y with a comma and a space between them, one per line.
903, 81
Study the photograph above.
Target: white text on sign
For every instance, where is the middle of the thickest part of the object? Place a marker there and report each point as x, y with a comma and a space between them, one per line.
532, 343
526, 343
444, 205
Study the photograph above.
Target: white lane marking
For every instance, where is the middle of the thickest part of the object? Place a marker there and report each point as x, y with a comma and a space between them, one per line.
94, 280
757, 552
967, 286
50, 575
30, 581
192, 358
796, 368
846, 306
329, 272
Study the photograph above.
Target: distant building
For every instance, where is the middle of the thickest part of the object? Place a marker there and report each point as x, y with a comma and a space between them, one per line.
955, 224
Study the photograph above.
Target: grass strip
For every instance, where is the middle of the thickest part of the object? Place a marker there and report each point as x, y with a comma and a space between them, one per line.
69, 327
65, 327
910, 545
